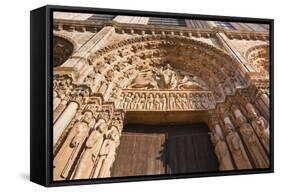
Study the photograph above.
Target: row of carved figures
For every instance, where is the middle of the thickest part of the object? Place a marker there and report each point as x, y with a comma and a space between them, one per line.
166, 101
89, 148
247, 147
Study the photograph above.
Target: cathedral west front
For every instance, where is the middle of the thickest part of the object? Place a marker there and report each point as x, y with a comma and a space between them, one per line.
136, 95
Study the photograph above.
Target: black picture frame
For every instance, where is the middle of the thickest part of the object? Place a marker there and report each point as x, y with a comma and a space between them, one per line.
41, 31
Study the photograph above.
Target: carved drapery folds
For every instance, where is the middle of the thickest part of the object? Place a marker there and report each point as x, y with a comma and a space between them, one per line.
158, 73
256, 150
166, 100
164, 63
236, 146
67, 154
260, 125
222, 152
78, 153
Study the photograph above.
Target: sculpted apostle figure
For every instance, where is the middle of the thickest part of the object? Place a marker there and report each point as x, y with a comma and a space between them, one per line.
172, 101
66, 156
163, 102
135, 101
204, 101
149, 102
178, 101
121, 101
107, 153
260, 158
257, 152
128, 99
185, 102
260, 126
222, 152
236, 148
157, 102
141, 103
89, 156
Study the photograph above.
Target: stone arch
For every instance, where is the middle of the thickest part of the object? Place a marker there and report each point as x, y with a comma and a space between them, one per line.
230, 116
213, 65
258, 56
63, 48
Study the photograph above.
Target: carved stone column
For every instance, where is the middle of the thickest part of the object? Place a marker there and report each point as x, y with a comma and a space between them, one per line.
64, 120
56, 100
265, 99
67, 154
221, 149
89, 156
254, 147
262, 100
59, 109
107, 153
236, 146
261, 126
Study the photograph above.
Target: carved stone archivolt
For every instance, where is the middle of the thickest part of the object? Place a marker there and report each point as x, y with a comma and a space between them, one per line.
258, 56
159, 73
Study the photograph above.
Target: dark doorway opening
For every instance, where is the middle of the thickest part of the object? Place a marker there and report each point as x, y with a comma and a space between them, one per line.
164, 149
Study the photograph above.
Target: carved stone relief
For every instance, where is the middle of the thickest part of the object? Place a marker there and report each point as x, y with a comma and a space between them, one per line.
166, 100
160, 73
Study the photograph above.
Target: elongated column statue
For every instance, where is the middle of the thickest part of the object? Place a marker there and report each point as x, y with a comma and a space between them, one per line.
56, 100
107, 153
260, 158
64, 120
221, 150
59, 109
236, 147
89, 156
64, 159
260, 125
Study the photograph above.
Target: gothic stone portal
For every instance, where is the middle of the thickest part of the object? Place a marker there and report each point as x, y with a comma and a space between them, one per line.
105, 76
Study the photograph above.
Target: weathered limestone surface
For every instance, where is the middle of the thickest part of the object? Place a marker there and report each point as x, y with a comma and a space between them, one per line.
128, 71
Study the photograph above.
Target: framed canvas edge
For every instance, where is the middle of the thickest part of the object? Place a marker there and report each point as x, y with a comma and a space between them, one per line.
48, 181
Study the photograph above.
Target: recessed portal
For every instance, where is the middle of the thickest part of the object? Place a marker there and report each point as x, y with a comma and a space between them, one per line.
164, 149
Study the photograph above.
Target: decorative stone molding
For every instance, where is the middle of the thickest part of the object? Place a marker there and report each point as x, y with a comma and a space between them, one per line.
157, 69
133, 100
258, 56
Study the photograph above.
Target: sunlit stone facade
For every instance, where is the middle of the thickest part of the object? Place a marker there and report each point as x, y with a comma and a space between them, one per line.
111, 70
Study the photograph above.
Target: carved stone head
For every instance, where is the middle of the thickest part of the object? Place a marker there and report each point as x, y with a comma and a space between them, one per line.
113, 133
215, 138
88, 116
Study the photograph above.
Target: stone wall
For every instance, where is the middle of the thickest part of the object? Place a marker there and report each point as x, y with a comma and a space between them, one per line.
125, 67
